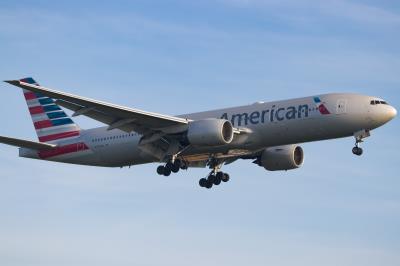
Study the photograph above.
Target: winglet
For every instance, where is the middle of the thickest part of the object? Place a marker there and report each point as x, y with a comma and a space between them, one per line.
12, 82
28, 80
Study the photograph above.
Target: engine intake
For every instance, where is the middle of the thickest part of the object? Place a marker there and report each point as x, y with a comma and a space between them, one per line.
282, 158
210, 132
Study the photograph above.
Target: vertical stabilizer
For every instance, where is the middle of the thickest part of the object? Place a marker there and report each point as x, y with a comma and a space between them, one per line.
50, 121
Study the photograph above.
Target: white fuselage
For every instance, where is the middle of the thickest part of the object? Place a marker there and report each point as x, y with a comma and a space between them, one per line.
268, 124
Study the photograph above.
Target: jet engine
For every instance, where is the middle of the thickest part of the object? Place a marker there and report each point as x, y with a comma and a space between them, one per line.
281, 158
210, 132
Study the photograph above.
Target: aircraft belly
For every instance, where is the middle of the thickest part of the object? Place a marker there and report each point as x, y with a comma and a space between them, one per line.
85, 157
306, 130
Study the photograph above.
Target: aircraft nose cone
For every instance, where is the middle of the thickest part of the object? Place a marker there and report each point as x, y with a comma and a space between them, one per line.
392, 112
383, 114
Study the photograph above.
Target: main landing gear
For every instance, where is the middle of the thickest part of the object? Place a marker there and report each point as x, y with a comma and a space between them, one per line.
359, 136
214, 179
171, 167
216, 176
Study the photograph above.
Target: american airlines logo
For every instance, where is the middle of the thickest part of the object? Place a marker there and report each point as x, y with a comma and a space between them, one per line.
275, 114
268, 115
321, 106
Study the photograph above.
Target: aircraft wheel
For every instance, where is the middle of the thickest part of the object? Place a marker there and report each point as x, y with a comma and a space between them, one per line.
160, 170
211, 178
220, 175
357, 151
225, 177
175, 168
203, 182
167, 171
169, 165
217, 181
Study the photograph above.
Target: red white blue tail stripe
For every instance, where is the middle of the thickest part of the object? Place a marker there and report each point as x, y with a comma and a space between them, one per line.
50, 121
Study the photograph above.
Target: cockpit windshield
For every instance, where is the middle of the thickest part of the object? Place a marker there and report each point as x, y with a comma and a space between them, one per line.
375, 102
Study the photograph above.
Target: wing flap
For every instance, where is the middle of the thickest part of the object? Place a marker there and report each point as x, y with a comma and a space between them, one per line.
40, 146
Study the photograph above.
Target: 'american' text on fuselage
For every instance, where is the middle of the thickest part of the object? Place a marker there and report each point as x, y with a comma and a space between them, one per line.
268, 115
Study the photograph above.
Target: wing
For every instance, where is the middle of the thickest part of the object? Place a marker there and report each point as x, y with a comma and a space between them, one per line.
40, 146
115, 116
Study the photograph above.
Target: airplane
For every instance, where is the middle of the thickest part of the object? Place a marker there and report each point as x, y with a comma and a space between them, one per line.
268, 133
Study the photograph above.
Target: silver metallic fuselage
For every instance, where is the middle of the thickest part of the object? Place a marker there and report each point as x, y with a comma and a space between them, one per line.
267, 124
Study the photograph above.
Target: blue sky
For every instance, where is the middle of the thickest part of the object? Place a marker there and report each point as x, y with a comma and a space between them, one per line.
178, 57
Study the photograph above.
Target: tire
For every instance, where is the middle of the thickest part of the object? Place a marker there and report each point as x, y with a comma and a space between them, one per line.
169, 165
167, 171
220, 175
357, 151
160, 170
175, 168
211, 178
218, 178
225, 178
203, 182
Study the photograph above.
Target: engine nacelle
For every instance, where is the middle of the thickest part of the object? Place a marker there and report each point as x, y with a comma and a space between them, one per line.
210, 132
282, 158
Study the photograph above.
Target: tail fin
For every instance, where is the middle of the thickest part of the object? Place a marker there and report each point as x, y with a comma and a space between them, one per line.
50, 121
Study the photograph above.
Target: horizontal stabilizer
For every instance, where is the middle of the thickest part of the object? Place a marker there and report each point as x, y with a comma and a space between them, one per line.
26, 144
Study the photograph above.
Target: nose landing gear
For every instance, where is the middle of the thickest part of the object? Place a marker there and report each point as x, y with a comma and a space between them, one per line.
359, 136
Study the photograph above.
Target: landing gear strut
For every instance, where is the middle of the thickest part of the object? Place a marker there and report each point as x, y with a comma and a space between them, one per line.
359, 136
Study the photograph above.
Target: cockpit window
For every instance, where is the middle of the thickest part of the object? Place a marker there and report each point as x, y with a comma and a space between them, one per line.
374, 102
